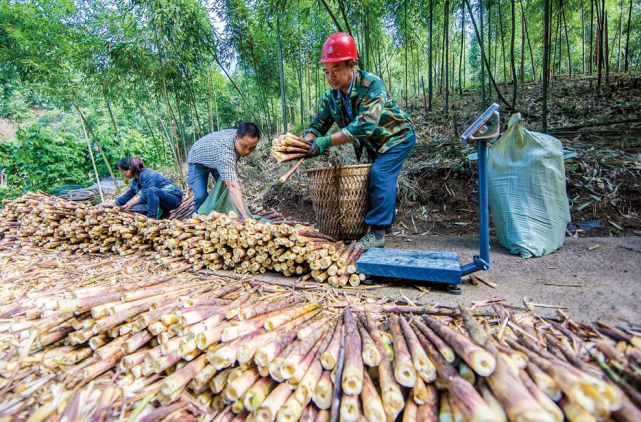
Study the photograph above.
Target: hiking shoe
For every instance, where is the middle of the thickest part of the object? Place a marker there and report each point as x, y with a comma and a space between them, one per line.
388, 230
371, 241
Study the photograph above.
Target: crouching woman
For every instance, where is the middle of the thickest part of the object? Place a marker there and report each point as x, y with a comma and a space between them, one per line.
158, 195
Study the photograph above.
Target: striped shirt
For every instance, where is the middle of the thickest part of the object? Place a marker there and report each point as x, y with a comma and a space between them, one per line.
217, 150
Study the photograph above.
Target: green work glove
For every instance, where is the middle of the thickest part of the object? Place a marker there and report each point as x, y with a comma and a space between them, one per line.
323, 142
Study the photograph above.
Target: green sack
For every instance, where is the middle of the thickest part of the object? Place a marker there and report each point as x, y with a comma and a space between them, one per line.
528, 199
220, 201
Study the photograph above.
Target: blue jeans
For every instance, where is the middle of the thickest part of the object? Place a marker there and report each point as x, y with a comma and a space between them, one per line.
197, 177
158, 198
382, 184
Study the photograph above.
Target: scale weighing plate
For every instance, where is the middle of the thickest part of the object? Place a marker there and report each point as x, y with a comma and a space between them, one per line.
441, 267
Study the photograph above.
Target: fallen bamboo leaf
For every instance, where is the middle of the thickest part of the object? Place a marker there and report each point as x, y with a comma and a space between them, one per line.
615, 225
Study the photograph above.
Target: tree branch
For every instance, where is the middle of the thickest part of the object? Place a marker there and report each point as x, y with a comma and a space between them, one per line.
340, 4
332, 16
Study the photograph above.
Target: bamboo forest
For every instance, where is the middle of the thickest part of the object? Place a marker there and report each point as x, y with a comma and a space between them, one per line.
105, 79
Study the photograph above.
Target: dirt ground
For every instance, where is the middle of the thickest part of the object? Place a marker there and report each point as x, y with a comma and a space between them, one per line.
608, 278
445, 202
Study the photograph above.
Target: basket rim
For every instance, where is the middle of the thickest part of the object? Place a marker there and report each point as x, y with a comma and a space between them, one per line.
352, 166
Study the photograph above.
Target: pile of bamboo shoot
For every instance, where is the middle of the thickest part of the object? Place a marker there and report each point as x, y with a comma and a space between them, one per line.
288, 148
150, 347
214, 242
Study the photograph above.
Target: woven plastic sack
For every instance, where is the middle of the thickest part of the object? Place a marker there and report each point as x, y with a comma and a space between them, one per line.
528, 199
220, 201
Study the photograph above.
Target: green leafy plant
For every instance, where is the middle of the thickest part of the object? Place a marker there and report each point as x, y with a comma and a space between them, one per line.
43, 160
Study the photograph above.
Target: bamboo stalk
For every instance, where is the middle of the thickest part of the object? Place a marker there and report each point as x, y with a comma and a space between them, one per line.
267, 346
391, 396
135, 342
305, 388
370, 354
404, 370
471, 404
237, 387
544, 401
372, 404
323, 391
350, 409
182, 377
337, 375
111, 348
446, 351
330, 356
544, 382
267, 411
410, 414
257, 310
290, 315
423, 365
352, 379
291, 171
292, 364
256, 394
590, 393
478, 359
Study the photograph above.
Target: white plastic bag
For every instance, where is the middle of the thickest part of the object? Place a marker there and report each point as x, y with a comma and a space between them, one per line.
528, 199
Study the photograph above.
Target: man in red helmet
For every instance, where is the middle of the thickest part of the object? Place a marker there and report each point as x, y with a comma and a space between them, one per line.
362, 107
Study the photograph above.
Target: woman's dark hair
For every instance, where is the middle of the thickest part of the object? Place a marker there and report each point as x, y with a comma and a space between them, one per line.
248, 129
130, 163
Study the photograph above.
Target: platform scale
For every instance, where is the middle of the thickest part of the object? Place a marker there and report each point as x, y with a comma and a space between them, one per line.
443, 267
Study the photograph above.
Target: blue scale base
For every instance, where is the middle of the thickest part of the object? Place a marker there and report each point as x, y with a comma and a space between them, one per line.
440, 267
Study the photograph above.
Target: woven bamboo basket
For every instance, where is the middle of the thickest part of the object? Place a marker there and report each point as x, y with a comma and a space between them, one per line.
341, 200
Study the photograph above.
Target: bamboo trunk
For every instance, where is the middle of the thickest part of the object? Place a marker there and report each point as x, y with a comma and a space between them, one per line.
352, 380
404, 370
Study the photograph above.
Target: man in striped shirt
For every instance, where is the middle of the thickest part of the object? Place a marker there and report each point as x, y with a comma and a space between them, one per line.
217, 154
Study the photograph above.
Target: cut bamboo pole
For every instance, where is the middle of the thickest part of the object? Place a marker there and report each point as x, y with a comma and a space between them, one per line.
305, 388
404, 370
423, 365
352, 379
239, 386
292, 363
330, 356
372, 404
349, 409
182, 377
478, 359
471, 404
267, 411
323, 391
257, 393
391, 395
370, 354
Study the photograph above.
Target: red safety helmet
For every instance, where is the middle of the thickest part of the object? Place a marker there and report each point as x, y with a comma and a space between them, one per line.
339, 47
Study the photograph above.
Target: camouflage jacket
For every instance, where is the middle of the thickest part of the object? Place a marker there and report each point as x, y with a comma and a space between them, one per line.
378, 125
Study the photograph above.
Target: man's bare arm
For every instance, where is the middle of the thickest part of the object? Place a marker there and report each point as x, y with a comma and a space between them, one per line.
236, 195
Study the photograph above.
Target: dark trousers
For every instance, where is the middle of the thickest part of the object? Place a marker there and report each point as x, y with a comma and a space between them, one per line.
382, 184
197, 177
158, 198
